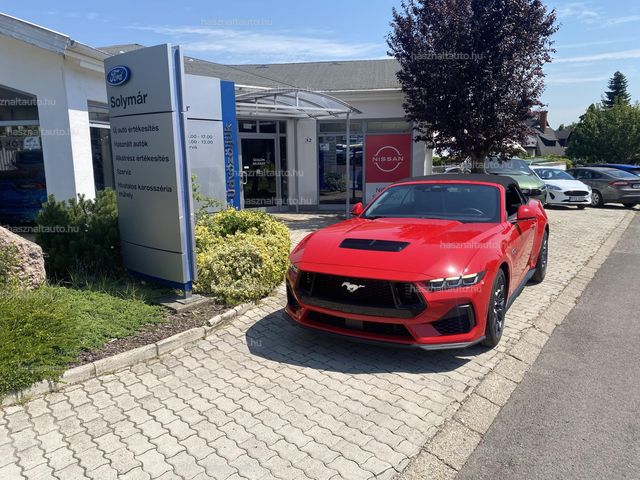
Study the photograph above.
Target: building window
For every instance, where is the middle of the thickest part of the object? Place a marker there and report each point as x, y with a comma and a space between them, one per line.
248, 126
339, 126
388, 126
23, 187
100, 132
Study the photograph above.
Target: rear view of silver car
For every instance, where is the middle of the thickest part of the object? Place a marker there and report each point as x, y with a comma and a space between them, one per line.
609, 185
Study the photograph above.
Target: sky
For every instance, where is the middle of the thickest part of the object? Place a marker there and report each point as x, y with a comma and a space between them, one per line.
596, 37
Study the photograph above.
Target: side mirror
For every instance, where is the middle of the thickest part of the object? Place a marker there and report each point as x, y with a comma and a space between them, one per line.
357, 209
525, 212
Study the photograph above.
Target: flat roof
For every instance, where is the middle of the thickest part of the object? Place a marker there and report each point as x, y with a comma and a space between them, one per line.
329, 76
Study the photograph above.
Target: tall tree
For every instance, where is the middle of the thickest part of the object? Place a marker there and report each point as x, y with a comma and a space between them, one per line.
617, 91
607, 134
471, 70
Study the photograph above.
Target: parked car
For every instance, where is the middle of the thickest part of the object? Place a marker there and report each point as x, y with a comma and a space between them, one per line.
635, 169
609, 185
518, 169
562, 188
433, 262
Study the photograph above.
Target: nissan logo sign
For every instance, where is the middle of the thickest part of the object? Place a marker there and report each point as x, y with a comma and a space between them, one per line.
388, 159
118, 75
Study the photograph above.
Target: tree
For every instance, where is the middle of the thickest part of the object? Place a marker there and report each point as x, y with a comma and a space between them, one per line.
607, 134
471, 70
617, 91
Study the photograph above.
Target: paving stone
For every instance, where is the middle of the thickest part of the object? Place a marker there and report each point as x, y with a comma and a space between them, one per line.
122, 460
185, 466
454, 443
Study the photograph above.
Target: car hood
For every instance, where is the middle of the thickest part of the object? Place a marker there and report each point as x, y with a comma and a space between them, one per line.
568, 184
436, 248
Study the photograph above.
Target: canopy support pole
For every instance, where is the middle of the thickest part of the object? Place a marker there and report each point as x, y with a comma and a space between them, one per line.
348, 163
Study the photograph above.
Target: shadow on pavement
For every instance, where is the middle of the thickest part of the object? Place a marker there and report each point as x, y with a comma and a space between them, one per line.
276, 338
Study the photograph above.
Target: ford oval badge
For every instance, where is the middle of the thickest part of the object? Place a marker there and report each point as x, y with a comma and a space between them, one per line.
118, 75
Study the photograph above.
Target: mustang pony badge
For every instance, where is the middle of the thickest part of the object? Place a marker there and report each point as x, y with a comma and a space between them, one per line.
352, 287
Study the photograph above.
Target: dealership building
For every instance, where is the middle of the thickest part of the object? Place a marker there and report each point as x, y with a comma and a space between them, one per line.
297, 123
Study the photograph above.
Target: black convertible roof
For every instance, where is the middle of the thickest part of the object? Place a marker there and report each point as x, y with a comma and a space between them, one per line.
463, 177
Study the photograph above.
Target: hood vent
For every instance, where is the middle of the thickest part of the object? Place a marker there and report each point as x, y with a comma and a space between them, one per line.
375, 245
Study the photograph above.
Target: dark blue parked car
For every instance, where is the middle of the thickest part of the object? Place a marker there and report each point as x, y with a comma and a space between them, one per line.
635, 169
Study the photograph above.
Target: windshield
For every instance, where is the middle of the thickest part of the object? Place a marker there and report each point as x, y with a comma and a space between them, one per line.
553, 174
467, 203
504, 167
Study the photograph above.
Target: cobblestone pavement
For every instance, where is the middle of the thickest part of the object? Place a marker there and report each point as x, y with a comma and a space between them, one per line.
261, 398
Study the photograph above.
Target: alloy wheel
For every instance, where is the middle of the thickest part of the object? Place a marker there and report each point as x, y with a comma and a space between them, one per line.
499, 308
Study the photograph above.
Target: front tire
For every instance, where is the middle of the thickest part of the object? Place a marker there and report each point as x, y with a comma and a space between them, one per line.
497, 311
543, 257
596, 199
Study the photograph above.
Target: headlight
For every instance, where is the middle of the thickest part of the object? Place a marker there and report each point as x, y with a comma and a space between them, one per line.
553, 187
454, 282
293, 269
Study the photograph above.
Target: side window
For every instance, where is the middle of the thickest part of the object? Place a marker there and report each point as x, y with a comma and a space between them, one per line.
513, 200
596, 175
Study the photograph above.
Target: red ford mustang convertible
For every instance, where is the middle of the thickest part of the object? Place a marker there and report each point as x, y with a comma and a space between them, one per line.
433, 262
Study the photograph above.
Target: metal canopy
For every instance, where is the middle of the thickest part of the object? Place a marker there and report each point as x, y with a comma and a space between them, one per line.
292, 103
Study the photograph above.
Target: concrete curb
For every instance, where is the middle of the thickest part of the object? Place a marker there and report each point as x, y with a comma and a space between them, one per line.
452, 445
127, 359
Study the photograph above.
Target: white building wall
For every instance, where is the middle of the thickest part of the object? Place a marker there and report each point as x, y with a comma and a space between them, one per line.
82, 85
62, 88
37, 72
307, 179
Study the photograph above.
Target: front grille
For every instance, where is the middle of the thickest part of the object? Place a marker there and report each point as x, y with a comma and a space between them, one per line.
459, 320
576, 193
387, 329
360, 295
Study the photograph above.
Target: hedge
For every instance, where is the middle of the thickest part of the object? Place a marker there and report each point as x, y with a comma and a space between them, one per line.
241, 255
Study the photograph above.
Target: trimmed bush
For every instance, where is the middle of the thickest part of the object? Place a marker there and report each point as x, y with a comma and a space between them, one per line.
81, 236
241, 255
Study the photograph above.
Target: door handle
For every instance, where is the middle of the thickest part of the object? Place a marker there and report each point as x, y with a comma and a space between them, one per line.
244, 178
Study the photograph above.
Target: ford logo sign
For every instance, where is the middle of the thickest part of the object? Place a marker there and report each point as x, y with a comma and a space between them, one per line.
118, 75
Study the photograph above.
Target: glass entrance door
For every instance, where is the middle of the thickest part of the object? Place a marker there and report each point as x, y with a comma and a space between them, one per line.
333, 169
259, 171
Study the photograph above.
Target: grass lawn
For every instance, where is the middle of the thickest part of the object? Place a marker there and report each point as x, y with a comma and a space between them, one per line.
42, 331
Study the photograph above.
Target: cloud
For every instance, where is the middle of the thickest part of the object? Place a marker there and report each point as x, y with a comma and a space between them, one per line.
581, 11
599, 57
589, 44
255, 46
620, 20
551, 80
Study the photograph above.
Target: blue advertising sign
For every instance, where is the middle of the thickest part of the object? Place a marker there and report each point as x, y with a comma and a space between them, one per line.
231, 157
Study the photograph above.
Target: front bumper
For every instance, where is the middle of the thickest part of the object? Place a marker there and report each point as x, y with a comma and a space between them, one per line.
453, 318
555, 197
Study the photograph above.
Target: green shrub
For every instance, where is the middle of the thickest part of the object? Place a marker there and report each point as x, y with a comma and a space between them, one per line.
241, 255
81, 236
42, 331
